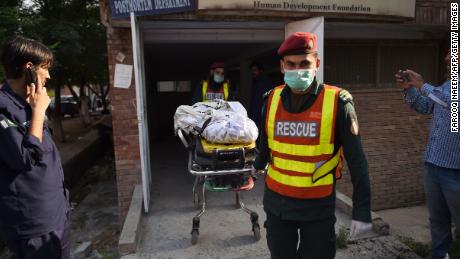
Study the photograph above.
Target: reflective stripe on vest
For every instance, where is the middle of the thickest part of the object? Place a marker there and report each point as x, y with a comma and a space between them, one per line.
302, 146
222, 94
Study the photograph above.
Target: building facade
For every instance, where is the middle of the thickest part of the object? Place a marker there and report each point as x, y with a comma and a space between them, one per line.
361, 53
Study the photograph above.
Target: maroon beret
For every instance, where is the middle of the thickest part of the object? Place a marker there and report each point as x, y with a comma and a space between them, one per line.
217, 65
298, 43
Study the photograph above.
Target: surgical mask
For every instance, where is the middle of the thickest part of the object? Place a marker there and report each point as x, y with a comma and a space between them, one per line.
299, 79
218, 78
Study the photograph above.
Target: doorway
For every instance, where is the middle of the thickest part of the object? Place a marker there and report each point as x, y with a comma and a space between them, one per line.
174, 56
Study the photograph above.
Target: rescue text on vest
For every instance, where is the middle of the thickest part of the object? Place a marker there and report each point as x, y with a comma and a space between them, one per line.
214, 96
296, 129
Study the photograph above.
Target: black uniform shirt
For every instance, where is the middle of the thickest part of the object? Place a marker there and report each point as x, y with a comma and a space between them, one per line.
316, 209
32, 194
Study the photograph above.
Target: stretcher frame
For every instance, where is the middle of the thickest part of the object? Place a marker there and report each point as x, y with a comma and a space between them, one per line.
199, 186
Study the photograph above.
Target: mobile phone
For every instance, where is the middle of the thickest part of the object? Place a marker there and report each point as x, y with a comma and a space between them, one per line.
404, 76
31, 76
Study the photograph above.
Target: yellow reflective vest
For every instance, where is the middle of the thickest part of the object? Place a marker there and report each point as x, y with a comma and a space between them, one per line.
302, 146
209, 95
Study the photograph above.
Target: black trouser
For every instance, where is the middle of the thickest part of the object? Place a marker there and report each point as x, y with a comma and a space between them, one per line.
317, 238
53, 245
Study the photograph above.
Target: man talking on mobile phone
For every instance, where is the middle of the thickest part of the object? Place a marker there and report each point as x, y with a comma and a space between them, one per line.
34, 207
442, 156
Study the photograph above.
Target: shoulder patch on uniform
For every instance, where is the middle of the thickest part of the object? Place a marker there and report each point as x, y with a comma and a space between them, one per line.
266, 94
345, 96
354, 126
6, 123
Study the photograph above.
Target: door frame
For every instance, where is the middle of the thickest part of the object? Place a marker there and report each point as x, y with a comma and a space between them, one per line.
143, 32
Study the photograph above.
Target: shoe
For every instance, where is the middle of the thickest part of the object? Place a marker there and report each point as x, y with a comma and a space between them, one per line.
445, 257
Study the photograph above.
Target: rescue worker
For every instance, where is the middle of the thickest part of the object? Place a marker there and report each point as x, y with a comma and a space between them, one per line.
307, 126
215, 87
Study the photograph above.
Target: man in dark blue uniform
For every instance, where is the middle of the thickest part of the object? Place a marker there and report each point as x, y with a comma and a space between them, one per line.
34, 209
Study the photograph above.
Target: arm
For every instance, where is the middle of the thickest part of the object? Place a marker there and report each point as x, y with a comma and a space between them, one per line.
23, 149
356, 160
232, 93
19, 151
264, 152
419, 95
39, 102
417, 101
197, 94
36, 125
438, 94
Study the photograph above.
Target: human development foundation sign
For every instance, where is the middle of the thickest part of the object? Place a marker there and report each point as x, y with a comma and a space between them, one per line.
399, 8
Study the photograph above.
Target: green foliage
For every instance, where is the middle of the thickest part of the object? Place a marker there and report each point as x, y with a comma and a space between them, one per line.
423, 250
109, 255
71, 28
342, 239
10, 13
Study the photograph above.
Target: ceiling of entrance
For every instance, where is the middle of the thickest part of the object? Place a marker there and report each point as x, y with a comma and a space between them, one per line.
193, 58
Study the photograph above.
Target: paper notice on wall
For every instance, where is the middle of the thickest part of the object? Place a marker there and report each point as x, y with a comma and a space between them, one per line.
123, 76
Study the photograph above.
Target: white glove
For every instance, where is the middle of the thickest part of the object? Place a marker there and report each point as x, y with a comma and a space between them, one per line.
255, 172
358, 228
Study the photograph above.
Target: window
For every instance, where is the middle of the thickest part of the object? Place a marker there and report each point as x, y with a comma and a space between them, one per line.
174, 86
419, 57
374, 64
350, 65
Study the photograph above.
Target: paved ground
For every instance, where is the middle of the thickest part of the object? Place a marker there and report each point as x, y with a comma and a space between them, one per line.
95, 217
225, 232
409, 222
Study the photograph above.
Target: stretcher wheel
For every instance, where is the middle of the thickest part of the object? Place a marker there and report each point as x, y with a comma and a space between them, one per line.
256, 230
195, 237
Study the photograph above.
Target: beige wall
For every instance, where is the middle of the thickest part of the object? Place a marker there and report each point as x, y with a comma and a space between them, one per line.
399, 8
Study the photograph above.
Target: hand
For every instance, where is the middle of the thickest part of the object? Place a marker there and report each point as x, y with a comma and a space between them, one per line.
415, 80
358, 228
39, 99
400, 82
257, 172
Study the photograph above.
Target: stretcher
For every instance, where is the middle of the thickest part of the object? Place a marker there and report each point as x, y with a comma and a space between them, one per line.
219, 168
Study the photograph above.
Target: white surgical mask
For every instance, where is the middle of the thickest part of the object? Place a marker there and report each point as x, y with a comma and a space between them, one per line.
218, 78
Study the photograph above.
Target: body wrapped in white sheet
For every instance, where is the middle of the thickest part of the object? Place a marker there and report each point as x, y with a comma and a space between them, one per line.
228, 122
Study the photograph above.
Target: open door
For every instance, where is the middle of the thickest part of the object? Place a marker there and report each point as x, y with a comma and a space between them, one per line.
141, 107
313, 25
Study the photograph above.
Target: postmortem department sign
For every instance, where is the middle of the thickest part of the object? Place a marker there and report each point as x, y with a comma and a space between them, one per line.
122, 8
